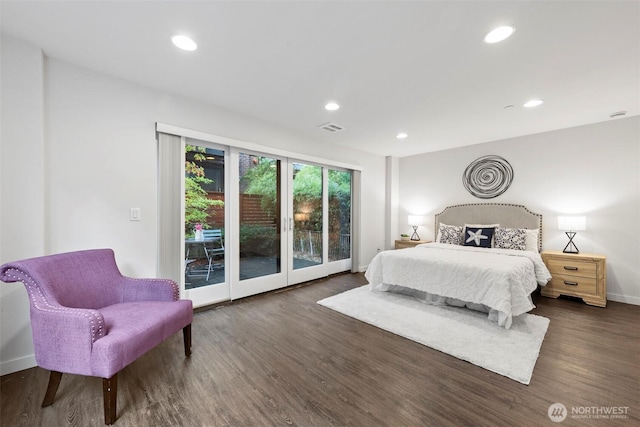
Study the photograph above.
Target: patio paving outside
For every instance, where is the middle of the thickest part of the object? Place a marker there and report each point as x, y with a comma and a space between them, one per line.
249, 268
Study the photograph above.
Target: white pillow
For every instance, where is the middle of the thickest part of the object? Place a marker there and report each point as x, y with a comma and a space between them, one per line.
532, 241
511, 238
451, 234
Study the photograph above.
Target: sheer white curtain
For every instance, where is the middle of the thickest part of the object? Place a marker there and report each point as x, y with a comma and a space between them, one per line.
170, 178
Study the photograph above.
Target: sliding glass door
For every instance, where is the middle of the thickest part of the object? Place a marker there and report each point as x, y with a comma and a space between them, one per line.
260, 213
204, 226
339, 220
306, 217
320, 212
237, 222
259, 223
294, 222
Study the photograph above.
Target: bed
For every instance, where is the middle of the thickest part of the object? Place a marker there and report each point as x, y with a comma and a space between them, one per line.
485, 257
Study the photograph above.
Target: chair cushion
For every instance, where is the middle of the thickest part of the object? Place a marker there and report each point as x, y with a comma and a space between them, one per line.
132, 329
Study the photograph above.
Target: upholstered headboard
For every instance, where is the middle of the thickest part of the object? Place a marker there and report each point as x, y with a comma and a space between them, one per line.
507, 215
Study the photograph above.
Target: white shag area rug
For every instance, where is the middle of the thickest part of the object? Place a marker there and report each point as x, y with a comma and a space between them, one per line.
460, 332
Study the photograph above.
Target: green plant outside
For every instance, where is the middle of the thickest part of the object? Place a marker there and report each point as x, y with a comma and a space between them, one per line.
197, 205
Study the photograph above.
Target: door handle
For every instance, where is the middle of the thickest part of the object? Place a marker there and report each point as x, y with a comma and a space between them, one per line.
566, 267
571, 283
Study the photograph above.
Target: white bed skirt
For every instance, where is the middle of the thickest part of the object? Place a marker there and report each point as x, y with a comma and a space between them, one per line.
502, 319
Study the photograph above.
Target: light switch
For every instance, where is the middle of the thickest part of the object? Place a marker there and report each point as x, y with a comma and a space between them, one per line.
134, 214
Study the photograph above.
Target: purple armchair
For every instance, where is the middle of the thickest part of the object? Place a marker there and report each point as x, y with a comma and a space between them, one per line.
89, 319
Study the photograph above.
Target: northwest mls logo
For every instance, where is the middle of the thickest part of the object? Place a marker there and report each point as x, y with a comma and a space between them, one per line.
557, 412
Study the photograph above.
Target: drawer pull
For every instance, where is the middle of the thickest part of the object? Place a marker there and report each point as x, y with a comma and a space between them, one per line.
571, 283
568, 267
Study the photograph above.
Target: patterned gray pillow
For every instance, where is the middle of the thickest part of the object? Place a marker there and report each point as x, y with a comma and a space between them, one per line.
450, 234
511, 238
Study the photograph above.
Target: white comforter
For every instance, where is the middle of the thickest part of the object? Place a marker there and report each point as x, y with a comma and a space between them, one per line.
499, 281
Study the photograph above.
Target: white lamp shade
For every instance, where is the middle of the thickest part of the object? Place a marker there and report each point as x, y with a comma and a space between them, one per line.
572, 223
416, 220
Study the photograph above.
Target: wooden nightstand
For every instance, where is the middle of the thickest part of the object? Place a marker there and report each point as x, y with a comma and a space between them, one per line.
404, 244
579, 275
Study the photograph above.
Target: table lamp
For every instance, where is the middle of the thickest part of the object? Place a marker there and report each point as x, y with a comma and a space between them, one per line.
571, 224
415, 221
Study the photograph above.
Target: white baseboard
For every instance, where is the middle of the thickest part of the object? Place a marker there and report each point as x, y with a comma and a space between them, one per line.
20, 364
623, 298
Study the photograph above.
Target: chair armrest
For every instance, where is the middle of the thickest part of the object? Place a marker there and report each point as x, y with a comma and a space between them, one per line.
70, 353
149, 290
47, 315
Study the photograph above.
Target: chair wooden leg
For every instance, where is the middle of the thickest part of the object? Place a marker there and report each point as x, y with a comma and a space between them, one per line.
110, 394
52, 388
186, 333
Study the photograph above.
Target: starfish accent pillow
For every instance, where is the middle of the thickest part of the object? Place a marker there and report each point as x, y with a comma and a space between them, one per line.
478, 237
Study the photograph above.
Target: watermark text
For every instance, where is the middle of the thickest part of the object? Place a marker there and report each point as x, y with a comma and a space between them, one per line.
558, 412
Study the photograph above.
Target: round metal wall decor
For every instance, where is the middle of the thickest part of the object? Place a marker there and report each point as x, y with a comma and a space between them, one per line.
488, 177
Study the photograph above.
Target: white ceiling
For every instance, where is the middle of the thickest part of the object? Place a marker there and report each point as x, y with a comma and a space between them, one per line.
416, 66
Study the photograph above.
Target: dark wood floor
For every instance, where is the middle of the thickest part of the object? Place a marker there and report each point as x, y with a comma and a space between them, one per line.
282, 359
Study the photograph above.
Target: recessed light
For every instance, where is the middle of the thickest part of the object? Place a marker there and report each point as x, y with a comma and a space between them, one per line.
533, 103
498, 34
184, 42
401, 135
332, 106
508, 107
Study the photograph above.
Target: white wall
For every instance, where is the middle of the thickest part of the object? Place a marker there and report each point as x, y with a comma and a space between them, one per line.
21, 190
99, 160
392, 202
591, 170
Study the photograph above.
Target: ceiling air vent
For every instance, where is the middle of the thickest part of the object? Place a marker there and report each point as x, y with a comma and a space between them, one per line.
331, 127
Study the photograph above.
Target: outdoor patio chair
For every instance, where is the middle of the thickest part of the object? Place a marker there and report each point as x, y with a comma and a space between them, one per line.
213, 246
89, 319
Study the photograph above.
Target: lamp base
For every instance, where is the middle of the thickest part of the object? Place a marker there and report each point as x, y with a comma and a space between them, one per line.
571, 248
415, 236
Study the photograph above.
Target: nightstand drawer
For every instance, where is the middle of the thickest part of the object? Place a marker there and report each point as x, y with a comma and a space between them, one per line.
574, 284
578, 275
571, 267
